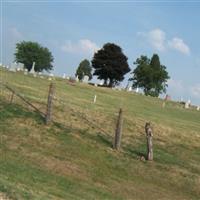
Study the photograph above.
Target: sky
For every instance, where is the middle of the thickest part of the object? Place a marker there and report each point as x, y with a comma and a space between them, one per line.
74, 30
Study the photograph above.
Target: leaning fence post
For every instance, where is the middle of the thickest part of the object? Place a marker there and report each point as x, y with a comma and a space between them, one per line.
50, 103
149, 135
118, 131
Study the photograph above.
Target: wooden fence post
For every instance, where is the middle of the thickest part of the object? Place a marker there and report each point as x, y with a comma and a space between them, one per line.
50, 103
149, 135
118, 131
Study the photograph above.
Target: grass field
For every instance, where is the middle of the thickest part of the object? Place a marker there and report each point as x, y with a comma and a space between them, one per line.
73, 159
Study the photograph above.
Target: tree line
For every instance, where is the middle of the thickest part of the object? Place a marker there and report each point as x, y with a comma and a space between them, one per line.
109, 64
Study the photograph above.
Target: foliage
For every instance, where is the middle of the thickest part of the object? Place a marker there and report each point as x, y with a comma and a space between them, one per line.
150, 75
29, 52
110, 64
84, 68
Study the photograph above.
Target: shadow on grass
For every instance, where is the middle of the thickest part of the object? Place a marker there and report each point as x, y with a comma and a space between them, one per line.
98, 137
11, 111
135, 152
104, 140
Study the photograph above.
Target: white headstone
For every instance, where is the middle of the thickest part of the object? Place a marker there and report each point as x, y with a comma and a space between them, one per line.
77, 79
101, 82
198, 108
33, 68
187, 105
85, 79
64, 76
95, 98
20, 66
130, 89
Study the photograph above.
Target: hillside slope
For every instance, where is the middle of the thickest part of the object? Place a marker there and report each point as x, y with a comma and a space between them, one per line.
72, 158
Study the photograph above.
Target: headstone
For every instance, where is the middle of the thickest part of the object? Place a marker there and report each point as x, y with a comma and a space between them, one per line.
130, 89
101, 82
64, 76
85, 79
20, 66
95, 85
129, 86
137, 90
198, 108
33, 68
77, 79
187, 105
95, 98
163, 104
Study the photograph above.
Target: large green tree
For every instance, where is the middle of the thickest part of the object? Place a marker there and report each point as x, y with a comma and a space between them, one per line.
83, 69
29, 52
110, 64
150, 75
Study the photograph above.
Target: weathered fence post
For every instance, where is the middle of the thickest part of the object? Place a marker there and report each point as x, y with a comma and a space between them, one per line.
118, 131
50, 103
149, 135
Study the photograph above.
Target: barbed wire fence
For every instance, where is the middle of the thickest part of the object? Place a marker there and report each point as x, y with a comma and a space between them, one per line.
32, 92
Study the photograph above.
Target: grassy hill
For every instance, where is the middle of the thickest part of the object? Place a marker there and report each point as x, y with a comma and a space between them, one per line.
72, 158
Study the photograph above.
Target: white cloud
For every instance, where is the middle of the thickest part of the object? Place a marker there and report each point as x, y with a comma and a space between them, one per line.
84, 46
179, 45
158, 40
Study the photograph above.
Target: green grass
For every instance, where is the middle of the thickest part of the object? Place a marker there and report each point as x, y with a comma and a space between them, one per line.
72, 159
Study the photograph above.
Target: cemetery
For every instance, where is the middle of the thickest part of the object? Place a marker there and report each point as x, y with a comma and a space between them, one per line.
62, 134
99, 100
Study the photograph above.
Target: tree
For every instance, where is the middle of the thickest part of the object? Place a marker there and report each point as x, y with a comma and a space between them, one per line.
150, 75
29, 52
84, 68
110, 64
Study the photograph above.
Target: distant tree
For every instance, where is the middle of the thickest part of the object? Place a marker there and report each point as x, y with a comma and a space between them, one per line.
150, 75
29, 52
83, 69
110, 64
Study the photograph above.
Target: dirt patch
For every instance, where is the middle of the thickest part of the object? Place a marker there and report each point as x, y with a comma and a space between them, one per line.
3, 196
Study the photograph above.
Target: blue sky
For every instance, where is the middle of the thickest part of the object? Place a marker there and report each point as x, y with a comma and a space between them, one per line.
75, 30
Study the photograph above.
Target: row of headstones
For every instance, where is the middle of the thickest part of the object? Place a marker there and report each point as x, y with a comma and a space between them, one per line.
19, 67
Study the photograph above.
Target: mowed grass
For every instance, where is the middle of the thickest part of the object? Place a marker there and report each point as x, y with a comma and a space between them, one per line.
72, 158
